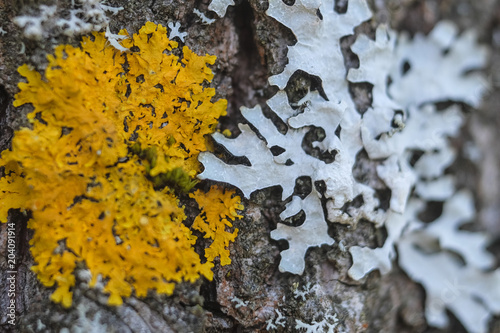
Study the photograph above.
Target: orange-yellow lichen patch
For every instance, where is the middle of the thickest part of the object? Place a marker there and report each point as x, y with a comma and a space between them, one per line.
217, 206
115, 139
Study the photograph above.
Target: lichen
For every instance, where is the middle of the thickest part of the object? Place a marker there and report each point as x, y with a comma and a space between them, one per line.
329, 323
417, 158
220, 6
85, 16
404, 133
318, 37
114, 141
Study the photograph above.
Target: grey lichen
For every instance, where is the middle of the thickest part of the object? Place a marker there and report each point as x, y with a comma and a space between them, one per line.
401, 120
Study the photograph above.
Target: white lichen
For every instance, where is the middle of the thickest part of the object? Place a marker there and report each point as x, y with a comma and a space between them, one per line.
174, 31
114, 40
428, 254
303, 292
403, 132
279, 320
313, 232
417, 82
85, 16
22, 49
328, 324
443, 60
40, 326
203, 18
335, 114
88, 321
472, 294
32, 25
84, 275
239, 302
220, 6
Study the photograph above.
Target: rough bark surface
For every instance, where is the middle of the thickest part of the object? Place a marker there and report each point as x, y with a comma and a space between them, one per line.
250, 47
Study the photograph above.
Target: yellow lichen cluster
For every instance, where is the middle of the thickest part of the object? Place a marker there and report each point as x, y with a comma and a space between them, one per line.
114, 141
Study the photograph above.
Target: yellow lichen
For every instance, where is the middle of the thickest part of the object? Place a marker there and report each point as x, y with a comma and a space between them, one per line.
114, 139
217, 206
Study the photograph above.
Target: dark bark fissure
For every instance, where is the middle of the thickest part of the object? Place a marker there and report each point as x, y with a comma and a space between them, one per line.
6, 132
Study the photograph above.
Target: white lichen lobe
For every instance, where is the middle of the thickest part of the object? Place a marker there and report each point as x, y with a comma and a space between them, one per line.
220, 6
175, 31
